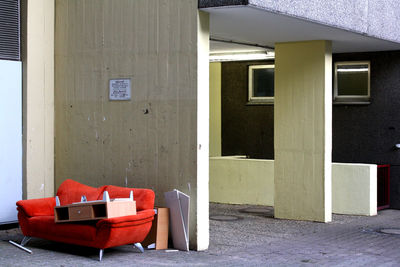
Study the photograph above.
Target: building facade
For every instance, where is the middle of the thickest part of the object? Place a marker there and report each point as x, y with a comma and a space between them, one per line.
72, 49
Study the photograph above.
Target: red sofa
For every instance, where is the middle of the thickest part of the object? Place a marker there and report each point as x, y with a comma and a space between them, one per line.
36, 218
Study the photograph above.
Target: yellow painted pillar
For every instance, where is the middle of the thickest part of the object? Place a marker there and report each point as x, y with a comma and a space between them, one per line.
38, 97
303, 132
215, 109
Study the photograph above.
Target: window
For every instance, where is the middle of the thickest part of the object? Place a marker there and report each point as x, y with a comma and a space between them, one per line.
352, 82
261, 84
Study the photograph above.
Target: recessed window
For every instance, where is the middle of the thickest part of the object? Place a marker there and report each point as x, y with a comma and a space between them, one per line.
352, 82
261, 84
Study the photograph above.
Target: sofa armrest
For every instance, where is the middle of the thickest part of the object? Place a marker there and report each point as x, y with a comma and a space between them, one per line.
37, 207
141, 217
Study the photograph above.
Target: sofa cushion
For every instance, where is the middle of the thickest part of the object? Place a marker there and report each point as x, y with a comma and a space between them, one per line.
140, 218
45, 226
71, 191
144, 197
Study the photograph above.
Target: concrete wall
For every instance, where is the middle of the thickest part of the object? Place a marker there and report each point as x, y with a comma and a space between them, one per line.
153, 140
354, 189
237, 180
303, 117
246, 129
215, 110
38, 97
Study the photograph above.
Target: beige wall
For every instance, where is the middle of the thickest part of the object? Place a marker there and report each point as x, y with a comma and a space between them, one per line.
303, 115
354, 189
237, 180
152, 140
215, 109
38, 97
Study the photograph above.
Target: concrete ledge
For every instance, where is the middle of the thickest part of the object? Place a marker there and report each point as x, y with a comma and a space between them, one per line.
238, 180
354, 189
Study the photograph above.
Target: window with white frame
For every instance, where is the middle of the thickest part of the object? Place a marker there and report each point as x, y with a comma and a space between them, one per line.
261, 84
352, 82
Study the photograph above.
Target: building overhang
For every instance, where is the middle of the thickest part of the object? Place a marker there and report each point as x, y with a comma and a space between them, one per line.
246, 23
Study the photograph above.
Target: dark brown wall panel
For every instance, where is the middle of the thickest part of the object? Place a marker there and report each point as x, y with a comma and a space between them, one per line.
368, 133
246, 129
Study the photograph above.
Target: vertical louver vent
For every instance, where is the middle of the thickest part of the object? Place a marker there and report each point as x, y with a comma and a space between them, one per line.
10, 30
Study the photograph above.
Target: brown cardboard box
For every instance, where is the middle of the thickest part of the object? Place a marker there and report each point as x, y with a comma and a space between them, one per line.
159, 230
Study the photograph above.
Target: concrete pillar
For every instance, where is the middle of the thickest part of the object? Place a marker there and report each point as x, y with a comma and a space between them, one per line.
303, 132
203, 85
38, 97
215, 109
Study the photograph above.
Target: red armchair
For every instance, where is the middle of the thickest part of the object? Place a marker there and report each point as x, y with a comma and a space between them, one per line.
36, 218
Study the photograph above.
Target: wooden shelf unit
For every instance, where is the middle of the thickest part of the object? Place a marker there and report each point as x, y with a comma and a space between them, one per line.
94, 210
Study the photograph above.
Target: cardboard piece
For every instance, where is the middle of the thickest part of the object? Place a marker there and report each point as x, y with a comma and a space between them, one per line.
178, 204
158, 235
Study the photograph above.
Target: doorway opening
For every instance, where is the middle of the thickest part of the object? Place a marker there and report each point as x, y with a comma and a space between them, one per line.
241, 123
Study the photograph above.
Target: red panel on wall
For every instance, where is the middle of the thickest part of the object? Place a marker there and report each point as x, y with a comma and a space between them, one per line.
383, 186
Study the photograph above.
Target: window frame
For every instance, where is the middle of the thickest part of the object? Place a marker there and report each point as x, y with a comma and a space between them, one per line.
258, 100
351, 99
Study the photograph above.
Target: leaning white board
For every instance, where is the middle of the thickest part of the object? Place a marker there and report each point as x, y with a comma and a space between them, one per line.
178, 204
10, 139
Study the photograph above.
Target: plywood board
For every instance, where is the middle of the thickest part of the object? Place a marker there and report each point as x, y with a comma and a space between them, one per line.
120, 208
159, 230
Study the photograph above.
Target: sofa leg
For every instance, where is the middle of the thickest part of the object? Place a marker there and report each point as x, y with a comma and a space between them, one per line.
101, 254
25, 240
139, 247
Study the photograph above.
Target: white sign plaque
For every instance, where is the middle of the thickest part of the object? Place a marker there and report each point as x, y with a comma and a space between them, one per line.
120, 89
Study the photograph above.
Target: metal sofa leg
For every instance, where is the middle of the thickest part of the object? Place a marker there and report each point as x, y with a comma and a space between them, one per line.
139, 247
19, 246
25, 240
101, 254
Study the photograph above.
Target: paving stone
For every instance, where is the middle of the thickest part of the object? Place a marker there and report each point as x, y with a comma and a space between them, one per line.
254, 240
